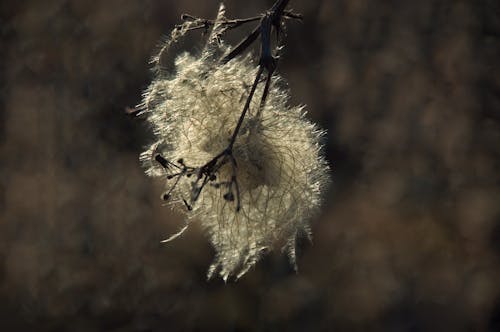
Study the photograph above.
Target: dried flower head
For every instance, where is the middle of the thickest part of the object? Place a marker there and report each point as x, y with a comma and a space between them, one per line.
253, 180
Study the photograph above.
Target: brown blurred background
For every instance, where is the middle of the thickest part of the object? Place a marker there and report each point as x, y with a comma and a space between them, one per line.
409, 239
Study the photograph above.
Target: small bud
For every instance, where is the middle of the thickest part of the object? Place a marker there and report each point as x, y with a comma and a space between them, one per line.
162, 161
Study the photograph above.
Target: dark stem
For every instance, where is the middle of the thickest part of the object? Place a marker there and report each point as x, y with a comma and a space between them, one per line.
245, 109
242, 45
236, 186
266, 92
232, 23
278, 8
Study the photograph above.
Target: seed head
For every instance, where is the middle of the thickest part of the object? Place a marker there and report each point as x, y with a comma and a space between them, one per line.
261, 194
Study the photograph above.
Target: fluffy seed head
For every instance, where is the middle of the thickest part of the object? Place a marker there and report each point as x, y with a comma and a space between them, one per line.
279, 167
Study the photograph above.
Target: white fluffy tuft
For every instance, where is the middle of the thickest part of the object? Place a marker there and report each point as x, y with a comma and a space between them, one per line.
280, 168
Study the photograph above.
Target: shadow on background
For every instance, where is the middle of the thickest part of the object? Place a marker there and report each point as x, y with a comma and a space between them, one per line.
409, 92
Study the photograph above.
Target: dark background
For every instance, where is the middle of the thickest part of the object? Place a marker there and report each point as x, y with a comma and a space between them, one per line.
409, 238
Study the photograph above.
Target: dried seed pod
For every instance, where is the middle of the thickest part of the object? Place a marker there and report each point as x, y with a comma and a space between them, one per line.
266, 180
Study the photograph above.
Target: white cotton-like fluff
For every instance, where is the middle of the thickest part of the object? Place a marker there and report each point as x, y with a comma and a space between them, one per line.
280, 170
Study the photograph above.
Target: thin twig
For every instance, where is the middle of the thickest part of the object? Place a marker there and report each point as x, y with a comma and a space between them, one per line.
242, 45
245, 108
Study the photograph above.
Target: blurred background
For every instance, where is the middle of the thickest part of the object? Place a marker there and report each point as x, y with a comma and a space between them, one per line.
409, 238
